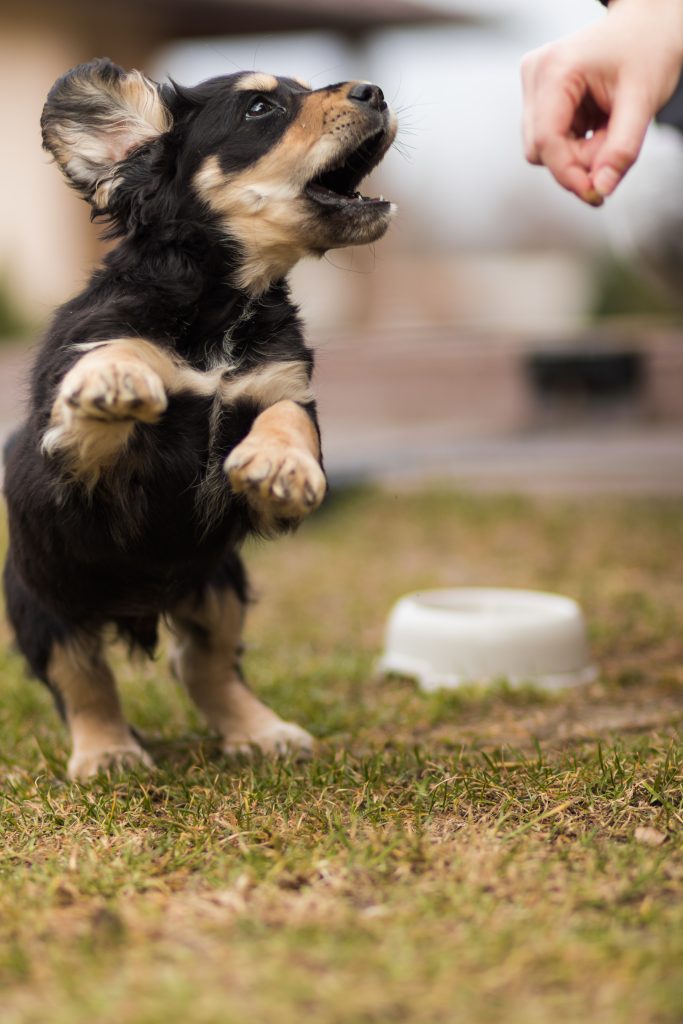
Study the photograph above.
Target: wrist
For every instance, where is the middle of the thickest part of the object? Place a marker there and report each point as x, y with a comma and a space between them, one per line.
666, 15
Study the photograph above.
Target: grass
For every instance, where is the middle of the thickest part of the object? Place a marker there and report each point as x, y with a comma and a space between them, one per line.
13, 324
485, 856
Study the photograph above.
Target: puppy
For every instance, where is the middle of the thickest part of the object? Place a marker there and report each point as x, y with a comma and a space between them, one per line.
171, 412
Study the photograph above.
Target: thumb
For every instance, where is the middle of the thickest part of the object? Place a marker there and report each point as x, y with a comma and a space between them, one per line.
628, 124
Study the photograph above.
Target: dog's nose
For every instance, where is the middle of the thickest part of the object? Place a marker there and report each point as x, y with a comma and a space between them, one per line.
364, 92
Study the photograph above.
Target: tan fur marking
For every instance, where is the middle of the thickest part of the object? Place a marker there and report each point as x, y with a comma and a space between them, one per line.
267, 384
266, 217
288, 425
270, 384
263, 206
302, 82
100, 399
141, 97
257, 81
88, 445
127, 380
137, 114
277, 466
205, 657
101, 738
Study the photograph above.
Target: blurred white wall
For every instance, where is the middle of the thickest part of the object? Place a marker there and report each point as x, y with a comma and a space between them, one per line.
468, 202
482, 239
39, 247
458, 170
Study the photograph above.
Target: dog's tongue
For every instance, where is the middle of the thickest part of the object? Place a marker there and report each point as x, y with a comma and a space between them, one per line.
327, 195
322, 193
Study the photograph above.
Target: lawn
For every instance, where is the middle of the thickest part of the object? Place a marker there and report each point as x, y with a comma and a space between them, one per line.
485, 856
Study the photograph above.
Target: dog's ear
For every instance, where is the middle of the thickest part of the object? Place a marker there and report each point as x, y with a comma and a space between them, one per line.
96, 116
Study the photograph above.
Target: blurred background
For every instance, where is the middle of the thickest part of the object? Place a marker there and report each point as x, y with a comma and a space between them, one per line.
501, 335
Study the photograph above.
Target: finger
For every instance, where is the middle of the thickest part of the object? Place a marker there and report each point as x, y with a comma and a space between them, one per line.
550, 126
553, 100
553, 90
565, 160
531, 153
626, 130
546, 109
589, 118
587, 149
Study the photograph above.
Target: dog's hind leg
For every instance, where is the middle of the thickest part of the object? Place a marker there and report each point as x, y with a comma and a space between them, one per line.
100, 735
207, 630
72, 665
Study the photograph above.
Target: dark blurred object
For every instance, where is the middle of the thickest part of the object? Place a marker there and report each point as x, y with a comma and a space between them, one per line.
672, 112
185, 19
596, 374
584, 384
352, 16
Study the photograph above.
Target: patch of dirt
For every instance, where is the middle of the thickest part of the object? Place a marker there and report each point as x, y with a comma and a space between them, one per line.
593, 715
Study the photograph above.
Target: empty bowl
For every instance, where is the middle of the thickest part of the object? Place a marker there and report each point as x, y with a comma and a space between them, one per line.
449, 638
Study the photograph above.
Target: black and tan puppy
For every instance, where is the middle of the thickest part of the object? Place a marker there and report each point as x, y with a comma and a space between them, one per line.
171, 412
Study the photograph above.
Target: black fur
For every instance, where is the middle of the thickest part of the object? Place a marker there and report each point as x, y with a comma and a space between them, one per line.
130, 549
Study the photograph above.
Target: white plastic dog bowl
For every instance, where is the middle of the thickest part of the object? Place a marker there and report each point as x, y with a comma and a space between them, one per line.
448, 638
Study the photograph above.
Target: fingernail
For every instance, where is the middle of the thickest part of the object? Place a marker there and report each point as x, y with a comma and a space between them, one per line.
593, 198
606, 180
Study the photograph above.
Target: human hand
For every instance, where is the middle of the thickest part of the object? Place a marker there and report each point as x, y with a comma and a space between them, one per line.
589, 98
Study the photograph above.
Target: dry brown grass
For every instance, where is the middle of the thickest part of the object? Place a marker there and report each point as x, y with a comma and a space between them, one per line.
485, 856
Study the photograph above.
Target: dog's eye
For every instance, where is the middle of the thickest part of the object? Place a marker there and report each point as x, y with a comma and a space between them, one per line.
259, 106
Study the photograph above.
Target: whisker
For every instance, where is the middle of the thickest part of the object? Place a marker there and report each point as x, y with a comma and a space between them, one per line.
409, 157
326, 71
223, 56
354, 270
256, 52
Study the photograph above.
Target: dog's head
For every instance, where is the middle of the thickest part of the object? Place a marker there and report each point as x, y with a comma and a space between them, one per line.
275, 165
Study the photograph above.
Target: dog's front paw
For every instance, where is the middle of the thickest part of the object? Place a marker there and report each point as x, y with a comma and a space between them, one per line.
84, 764
281, 739
114, 389
285, 482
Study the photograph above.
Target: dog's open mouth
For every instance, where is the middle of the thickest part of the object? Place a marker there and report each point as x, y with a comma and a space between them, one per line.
338, 185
